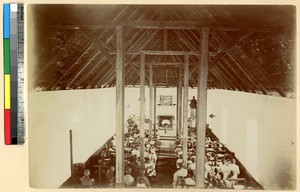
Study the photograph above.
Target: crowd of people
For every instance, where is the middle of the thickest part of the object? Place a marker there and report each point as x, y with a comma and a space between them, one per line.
134, 174
221, 170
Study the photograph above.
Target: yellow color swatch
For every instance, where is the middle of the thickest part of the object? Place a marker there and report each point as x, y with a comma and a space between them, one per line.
7, 91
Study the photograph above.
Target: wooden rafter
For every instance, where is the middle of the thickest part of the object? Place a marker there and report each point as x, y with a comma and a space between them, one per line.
84, 50
226, 47
100, 46
101, 72
270, 79
88, 74
151, 24
82, 69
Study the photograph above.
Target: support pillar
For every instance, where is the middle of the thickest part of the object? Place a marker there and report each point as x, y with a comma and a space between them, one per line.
201, 107
185, 108
142, 109
150, 101
119, 110
155, 118
71, 152
179, 104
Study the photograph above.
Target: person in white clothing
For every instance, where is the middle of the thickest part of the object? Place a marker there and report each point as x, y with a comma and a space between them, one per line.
179, 174
224, 167
234, 168
136, 151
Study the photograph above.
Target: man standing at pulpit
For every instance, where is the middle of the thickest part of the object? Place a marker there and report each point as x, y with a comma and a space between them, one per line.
193, 106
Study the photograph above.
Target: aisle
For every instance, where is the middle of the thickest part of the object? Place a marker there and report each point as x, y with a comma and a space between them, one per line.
166, 162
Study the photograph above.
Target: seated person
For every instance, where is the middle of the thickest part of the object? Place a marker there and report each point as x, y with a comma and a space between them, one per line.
189, 181
135, 166
189, 160
192, 166
113, 141
234, 171
234, 168
111, 148
213, 181
224, 167
150, 169
136, 151
156, 135
179, 152
147, 146
128, 179
177, 142
179, 176
135, 135
207, 167
142, 181
152, 155
86, 181
223, 183
190, 145
179, 161
131, 139
110, 176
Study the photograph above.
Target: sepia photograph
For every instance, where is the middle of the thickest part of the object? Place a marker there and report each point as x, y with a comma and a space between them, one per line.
162, 96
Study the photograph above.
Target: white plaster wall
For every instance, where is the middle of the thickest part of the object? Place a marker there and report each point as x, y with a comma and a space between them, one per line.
91, 116
274, 162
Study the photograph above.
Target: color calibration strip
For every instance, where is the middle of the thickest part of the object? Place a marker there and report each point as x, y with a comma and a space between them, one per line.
13, 41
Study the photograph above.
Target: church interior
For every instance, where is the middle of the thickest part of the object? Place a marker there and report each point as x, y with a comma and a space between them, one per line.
162, 96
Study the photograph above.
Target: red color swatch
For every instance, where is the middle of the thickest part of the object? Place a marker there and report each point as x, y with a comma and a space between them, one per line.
7, 127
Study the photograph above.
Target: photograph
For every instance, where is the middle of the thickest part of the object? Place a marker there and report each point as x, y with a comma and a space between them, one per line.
163, 96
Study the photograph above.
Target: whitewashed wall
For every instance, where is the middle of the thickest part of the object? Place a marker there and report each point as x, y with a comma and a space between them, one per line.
260, 129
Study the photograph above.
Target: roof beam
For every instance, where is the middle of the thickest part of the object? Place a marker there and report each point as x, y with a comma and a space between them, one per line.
169, 52
100, 46
227, 47
224, 51
152, 24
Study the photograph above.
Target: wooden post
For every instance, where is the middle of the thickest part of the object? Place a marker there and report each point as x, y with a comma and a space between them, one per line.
154, 123
71, 152
99, 173
150, 100
179, 103
119, 110
185, 108
177, 108
142, 109
201, 107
